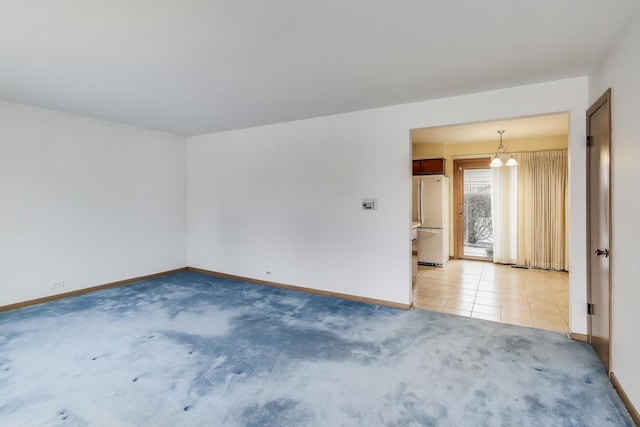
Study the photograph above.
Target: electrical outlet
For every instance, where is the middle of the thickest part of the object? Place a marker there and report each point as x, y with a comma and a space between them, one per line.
57, 285
268, 272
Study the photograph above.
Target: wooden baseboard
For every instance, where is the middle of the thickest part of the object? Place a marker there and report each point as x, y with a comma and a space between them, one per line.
578, 337
303, 289
625, 399
87, 290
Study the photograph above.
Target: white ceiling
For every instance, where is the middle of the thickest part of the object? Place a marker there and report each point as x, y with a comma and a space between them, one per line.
520, 128
198, 66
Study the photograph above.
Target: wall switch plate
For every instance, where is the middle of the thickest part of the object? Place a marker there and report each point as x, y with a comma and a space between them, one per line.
369, 204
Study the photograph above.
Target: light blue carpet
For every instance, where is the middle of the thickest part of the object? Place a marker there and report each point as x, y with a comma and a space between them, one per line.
192, 350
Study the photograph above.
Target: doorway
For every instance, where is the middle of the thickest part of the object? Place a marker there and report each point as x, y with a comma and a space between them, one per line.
599, 227
502, 293
473, 227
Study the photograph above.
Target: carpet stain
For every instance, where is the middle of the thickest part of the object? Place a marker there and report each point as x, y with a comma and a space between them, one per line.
281, 412
533, 404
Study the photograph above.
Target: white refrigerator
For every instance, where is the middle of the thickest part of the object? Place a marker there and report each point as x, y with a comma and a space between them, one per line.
431, 210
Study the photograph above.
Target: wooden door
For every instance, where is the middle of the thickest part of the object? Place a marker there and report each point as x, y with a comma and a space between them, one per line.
599, 227
461, 248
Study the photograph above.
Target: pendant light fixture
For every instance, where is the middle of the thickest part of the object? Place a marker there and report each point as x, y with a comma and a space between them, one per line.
502, 153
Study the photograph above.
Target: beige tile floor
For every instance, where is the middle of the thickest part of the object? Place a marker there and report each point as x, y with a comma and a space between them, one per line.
483, 290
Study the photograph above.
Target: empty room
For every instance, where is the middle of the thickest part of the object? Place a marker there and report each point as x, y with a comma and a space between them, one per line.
207, 215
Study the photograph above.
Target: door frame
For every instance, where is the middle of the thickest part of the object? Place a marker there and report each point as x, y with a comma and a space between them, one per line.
458, 199
605, 99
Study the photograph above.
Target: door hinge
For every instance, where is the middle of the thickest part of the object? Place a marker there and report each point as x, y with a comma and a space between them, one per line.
589, 141
589, 308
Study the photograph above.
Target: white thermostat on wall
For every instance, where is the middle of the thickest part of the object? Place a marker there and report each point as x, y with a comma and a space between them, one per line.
369, 204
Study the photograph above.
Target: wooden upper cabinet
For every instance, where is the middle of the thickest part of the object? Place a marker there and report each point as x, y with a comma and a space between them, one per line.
429, 167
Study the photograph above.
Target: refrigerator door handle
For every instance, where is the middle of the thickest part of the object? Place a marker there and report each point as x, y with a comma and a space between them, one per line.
420, 200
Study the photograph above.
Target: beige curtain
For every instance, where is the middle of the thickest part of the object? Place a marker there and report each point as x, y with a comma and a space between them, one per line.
542, 210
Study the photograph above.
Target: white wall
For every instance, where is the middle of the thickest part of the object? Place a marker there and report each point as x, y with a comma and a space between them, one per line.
286, 197
85, 202
619, 71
